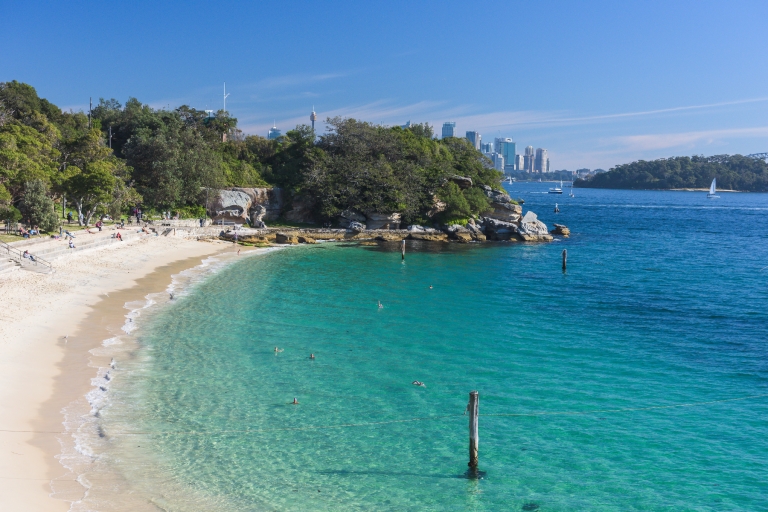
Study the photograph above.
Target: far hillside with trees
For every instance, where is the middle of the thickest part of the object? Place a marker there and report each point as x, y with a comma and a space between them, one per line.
733, 172
132, 155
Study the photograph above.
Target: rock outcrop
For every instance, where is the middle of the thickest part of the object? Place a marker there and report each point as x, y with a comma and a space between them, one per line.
348, 216
503, 206
286, 238
561, 230
301, 211
462, 181
237, 205
382, 221
532, 229
499, 229
356, 227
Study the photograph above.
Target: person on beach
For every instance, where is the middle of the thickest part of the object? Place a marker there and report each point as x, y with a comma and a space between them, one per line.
71, 244
69, 217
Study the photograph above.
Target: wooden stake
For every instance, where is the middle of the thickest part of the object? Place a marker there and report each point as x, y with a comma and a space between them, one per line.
565, 259
403, 250
474, 408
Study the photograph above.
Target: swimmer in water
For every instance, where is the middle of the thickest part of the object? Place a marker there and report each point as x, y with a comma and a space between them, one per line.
418, 383
311, 356
295, 402
430, 287
381, 305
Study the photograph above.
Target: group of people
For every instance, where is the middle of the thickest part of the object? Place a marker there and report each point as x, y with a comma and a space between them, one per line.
26, 233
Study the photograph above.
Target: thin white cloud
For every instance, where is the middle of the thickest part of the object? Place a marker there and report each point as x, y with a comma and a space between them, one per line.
298, 79
657, 141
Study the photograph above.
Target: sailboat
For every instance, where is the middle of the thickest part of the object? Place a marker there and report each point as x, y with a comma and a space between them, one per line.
712, 194
557, 190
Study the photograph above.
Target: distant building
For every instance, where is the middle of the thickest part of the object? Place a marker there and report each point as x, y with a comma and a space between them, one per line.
486, 148
498, 161
406, 125
475, 138
449, 129
506, 147
528, 159
519, 163
273, 133
541, 162
313, 118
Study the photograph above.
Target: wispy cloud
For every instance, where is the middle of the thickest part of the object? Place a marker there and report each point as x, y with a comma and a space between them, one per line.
657, 141
298, 79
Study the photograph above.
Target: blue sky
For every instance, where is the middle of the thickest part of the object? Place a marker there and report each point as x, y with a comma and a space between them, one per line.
596, 83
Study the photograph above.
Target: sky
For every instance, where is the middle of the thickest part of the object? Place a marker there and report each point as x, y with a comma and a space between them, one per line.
597, 83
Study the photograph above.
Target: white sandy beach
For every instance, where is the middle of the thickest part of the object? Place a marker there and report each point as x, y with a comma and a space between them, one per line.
38, 311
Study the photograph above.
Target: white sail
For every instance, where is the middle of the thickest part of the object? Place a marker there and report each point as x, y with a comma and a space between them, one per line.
712, 187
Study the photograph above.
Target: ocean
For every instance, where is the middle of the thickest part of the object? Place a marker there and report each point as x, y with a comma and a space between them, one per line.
635, 380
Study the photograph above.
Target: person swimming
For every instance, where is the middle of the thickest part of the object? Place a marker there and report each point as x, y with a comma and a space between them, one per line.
311, 356
430, 287
381, 306
418, 383
295, 402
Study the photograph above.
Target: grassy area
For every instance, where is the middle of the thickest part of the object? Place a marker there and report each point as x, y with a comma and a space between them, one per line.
282, 223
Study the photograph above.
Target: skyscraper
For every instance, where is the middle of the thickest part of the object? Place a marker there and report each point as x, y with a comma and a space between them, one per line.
498, 162
519, 163
487, 148
449, 129
506, 147
313, 118
528, 159
542, 161
273, 133
475, 138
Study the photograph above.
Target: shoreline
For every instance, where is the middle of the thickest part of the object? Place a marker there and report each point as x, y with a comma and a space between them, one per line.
43, 372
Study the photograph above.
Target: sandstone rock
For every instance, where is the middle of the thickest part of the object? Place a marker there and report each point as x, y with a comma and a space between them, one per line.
286, 238
421, 229
461, 181
391, 237
382, 221
463, 236
437, 207
561, 230
498, 229
348, 216
258, 212
303, 239
531, 225
237, 204
503, 207
428, 237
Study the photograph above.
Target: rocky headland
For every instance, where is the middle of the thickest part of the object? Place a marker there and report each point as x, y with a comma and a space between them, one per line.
244, 214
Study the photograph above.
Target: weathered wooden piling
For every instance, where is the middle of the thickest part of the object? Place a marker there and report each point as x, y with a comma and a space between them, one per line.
565, 259
474, 408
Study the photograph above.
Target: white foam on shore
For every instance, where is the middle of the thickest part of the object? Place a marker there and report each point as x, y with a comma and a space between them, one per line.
85, 446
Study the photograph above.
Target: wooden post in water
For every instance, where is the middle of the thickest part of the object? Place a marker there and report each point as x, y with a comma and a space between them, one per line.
474, 408
565, 259
403, 250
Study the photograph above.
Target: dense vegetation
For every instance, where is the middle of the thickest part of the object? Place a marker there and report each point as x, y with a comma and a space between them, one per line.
734, 172
133, 155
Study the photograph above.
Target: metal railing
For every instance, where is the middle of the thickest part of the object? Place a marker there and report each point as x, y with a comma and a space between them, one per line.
17, 255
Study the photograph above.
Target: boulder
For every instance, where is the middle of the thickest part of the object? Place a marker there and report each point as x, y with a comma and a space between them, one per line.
532, 229
382, 221
231, 206
258, 212
476, 231
356, 227
286, 238
561, 230
303, 239
463, 236
498, 229
421, 229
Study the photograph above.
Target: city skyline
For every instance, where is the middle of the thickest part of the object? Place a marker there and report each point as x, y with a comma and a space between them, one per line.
613, 84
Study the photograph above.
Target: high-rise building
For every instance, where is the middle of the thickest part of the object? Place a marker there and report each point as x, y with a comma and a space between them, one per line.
313, 118
273, 133
506, 147
475, 138
449, 129
528, 159
541, 163
498, 161
487, 148
519, 163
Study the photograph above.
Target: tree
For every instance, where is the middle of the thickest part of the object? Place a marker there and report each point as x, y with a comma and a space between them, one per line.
92, 189
37, 208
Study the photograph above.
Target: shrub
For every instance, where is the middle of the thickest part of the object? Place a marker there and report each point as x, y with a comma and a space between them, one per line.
37, 208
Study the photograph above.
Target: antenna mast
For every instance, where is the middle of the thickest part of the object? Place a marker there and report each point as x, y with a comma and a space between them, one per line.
225, 97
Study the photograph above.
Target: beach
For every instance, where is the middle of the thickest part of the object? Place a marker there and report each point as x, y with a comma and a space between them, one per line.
49, 323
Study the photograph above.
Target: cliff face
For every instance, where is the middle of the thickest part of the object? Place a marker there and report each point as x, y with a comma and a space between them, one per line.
241, 205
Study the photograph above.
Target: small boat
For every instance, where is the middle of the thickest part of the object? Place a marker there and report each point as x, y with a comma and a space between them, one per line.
712, 194
571, 194
557, 190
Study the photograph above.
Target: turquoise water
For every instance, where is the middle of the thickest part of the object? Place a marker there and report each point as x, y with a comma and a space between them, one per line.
664, 302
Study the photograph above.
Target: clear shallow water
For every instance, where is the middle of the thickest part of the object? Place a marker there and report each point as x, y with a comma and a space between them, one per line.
664, 302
